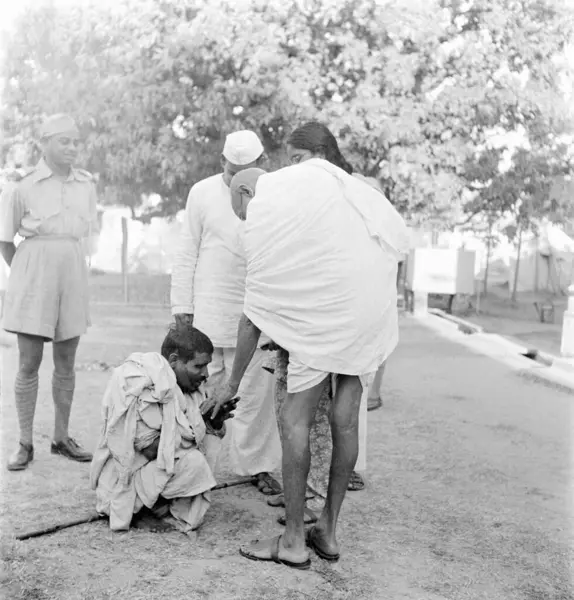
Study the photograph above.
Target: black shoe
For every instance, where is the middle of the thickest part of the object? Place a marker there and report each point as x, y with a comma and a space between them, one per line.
21, 458
71, 449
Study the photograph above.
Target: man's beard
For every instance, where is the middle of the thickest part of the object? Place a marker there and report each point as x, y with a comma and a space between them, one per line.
191, 386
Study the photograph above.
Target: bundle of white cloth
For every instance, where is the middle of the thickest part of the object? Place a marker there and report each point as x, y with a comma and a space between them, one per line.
322, 253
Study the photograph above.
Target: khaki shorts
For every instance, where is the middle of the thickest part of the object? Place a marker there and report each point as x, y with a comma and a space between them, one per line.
47, 292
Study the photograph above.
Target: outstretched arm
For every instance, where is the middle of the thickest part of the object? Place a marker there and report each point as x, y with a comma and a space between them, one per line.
247, 338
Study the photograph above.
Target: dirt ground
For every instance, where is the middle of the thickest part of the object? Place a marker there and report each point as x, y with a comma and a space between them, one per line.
468, 496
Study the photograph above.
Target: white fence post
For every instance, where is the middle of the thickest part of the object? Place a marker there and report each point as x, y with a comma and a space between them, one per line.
567, 347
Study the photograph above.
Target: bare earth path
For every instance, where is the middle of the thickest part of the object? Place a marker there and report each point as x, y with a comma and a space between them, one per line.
469, 494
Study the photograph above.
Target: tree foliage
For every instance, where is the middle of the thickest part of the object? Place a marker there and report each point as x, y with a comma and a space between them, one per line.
412, 89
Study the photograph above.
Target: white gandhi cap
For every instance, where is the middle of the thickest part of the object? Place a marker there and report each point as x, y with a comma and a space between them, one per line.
242, 147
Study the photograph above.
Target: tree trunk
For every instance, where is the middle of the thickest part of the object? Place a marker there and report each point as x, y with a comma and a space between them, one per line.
517, 268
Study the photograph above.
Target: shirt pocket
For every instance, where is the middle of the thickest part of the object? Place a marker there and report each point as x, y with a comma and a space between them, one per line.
42, 203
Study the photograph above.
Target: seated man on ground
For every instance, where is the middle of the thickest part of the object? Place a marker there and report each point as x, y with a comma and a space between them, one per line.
153, 465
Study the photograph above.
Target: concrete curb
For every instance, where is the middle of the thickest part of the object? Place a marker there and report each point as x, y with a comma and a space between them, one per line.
465, 326
531, 351
540, 366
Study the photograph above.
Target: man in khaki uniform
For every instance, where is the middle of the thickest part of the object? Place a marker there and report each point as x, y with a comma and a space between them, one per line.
53, 208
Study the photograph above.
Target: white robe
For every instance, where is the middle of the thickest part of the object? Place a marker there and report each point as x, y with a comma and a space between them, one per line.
322, 254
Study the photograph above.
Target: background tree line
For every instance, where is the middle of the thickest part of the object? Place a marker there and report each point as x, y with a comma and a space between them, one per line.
414, 89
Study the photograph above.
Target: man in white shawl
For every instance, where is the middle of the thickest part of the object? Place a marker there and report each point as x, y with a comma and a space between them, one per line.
153, 465
322, 253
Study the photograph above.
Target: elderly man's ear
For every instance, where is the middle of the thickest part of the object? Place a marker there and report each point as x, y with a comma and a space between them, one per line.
245, 189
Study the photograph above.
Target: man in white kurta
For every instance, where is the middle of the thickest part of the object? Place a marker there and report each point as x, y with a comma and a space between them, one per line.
208, 288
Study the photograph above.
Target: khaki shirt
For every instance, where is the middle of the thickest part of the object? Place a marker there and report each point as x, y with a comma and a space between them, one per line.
44, 205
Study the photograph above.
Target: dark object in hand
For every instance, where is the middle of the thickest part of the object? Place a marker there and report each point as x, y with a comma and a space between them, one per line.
225, 413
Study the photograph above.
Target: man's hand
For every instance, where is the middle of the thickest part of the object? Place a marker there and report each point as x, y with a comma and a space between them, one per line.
183, 319
213, 405
225, 413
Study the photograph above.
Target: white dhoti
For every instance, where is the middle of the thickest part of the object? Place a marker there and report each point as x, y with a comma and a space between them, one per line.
253, 435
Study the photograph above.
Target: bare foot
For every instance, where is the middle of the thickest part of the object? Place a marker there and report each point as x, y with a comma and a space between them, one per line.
325, 547
263, 550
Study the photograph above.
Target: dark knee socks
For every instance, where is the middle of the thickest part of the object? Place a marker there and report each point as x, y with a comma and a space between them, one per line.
63, 394
26, 395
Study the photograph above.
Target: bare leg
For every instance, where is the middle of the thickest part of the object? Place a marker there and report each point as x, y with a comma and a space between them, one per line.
374, 400
297, 414
296, 420
345, 431
63, 383
31, 350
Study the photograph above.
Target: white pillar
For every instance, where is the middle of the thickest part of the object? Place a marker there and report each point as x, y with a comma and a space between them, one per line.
567, 347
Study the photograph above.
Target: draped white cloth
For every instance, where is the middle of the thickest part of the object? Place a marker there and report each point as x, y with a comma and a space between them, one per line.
322, 252
143, 403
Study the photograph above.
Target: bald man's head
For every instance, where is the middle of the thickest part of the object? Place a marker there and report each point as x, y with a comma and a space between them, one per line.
242, 189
